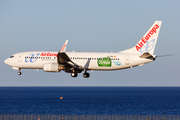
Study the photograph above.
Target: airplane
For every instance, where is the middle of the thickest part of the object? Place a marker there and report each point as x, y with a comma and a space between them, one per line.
77, 62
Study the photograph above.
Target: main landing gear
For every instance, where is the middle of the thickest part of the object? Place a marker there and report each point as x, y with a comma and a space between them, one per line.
85, 75
73, 74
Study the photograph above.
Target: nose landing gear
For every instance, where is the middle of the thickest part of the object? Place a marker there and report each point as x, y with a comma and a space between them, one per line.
19, 73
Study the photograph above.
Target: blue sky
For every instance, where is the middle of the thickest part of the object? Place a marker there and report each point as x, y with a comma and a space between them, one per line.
90, 26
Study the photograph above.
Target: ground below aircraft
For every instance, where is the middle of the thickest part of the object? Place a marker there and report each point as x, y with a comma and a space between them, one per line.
77, 62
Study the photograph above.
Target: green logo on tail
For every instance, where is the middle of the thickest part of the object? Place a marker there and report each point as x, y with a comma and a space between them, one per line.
104, 62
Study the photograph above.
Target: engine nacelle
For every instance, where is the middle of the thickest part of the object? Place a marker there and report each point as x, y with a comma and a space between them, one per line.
52, 67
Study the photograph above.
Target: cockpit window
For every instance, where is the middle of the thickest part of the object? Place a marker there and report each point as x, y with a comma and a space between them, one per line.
11, 56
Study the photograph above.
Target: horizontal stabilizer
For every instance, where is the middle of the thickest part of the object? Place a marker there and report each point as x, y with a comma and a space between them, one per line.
165, 55
147, 55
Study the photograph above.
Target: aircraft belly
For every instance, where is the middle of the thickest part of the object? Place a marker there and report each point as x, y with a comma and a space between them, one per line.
35, 65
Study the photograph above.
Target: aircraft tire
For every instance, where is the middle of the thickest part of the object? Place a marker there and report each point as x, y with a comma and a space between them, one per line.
19, 73
86, 75
73, 74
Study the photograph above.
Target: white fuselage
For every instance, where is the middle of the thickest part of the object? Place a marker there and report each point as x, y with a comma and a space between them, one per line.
87, 60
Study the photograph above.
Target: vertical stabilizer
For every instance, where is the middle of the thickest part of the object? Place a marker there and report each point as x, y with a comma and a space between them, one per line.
148, 42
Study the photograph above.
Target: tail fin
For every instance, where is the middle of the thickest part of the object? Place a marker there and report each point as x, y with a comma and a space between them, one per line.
148, 42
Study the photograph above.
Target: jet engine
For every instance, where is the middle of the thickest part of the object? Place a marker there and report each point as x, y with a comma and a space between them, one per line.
53, 67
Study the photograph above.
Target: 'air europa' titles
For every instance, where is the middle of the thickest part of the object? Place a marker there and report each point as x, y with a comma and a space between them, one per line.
146, 38
49, 54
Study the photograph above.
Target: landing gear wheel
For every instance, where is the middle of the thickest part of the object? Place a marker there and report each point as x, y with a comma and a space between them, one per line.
19, 73
74, 74
86, 75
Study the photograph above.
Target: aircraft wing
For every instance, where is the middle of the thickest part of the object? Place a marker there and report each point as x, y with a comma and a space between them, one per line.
63, 59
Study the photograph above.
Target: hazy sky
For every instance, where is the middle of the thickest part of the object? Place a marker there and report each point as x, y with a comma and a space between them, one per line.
90, 26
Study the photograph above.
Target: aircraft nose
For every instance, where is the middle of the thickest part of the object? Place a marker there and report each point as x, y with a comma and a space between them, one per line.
6, 61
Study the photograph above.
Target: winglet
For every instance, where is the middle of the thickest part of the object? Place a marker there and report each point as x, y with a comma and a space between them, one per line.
63, 49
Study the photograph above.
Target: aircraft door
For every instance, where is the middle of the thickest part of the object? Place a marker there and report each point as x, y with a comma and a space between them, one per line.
127, 59
19, 58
